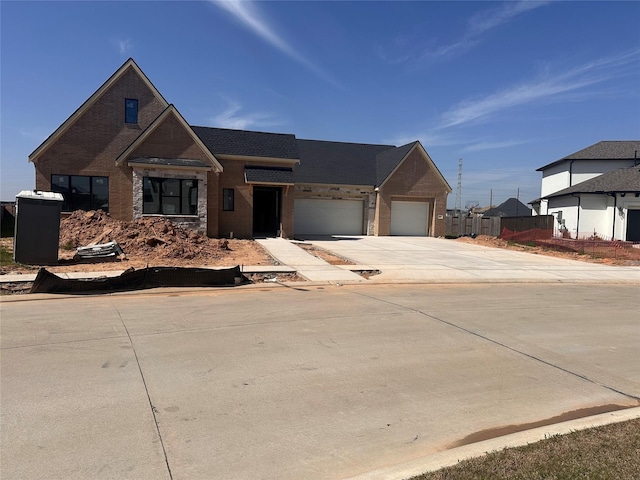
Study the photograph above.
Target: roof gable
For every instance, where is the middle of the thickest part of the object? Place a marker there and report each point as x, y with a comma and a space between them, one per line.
128, 65
604, 150
397, 155
170, 111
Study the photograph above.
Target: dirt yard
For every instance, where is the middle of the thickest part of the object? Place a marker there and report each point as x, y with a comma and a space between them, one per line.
150, 241
632, 257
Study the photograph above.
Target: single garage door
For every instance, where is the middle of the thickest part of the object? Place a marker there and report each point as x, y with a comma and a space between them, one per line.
409, 218
327, 217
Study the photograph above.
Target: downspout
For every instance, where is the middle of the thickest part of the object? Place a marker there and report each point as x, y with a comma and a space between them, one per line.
571, 173
577, 216
615, 205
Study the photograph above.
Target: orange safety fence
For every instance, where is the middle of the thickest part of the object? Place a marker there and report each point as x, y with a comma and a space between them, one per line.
594, 246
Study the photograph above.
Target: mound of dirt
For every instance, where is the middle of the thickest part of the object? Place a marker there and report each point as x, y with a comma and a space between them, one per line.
152, 241
149, 235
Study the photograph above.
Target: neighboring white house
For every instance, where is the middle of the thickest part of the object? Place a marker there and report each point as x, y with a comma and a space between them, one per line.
594, 192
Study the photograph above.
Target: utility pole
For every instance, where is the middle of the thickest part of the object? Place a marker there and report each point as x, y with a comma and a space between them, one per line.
459, 189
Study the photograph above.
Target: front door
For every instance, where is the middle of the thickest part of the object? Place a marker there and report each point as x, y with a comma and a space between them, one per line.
633, 225
266, 211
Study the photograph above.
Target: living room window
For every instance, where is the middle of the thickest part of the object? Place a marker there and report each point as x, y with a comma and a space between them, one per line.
227, 199
82, 192
170, 196
131, 110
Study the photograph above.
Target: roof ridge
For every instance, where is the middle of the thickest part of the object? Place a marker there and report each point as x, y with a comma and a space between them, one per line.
347, 143
242, 130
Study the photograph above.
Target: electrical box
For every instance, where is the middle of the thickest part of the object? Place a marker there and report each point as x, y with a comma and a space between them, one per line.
37, 227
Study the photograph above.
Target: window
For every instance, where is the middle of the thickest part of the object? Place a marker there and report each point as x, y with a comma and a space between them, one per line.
81, 192
170, 196
227, 199
130, 110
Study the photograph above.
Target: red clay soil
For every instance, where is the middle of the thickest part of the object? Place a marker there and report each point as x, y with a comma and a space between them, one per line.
152, 241
630, 257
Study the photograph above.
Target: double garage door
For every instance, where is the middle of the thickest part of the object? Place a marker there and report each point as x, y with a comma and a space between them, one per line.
346, 217
328, 217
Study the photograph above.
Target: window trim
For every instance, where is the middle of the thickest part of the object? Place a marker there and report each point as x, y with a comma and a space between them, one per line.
69, 204
129, 111
228, 199
180, 196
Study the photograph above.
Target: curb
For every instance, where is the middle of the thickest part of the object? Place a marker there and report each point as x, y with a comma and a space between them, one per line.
451, 457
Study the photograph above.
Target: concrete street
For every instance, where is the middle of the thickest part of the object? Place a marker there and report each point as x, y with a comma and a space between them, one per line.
300, 381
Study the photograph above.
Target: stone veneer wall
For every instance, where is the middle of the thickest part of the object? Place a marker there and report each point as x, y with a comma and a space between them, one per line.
193, 222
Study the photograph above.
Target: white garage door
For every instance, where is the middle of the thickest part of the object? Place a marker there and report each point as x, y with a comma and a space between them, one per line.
409, 218
327, 217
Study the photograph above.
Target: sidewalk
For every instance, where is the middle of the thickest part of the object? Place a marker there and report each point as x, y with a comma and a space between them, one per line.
307, 266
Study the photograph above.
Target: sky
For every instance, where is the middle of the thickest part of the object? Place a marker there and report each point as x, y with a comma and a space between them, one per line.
505, 86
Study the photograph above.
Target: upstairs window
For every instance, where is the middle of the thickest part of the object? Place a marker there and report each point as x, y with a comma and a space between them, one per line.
131, 110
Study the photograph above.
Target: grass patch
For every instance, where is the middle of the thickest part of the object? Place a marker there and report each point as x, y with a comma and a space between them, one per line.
6, 256
601, 453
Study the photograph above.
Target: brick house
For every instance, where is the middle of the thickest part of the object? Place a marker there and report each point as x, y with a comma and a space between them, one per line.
128, 151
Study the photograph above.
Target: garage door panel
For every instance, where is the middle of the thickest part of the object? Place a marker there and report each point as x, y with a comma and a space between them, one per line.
409, 218
328, 217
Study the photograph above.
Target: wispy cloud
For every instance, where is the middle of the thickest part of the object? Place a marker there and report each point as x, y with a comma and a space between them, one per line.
248, 14
481, 23
232, 117
547, 87
123, 45
489, 145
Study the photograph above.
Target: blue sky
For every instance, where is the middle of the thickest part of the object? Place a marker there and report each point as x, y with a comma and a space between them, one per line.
507, 86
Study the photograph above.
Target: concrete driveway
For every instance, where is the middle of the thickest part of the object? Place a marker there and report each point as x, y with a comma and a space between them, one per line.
304, 381
435, 260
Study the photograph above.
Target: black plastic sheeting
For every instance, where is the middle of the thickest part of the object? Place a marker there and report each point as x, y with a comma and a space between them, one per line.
150, 277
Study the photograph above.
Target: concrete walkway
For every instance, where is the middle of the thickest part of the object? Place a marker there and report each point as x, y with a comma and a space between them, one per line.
312, 268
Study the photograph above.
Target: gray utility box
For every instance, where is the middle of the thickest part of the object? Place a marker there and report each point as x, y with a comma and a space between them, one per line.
37, 227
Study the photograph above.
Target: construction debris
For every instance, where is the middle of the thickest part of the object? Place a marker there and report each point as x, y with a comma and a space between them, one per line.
109, 249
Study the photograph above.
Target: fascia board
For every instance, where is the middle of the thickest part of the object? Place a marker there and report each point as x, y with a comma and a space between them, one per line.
334, 185
92, 100
247, 158
146, 166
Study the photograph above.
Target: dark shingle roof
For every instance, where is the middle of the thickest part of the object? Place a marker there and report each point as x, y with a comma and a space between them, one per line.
510, 208
271, 175
224, 141
623, 180
339, 163
321, 161
605, 150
